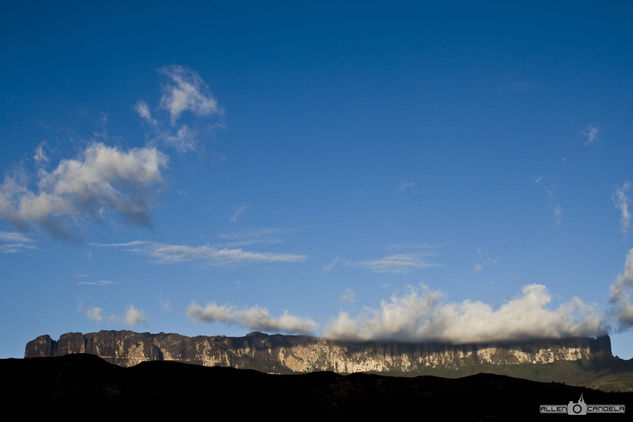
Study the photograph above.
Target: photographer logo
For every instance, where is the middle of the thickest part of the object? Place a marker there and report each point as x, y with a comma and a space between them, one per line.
581, 408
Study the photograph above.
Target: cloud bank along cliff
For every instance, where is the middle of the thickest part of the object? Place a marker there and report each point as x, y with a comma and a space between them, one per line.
290, 354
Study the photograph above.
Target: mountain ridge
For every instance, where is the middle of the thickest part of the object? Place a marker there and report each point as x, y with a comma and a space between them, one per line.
298, 353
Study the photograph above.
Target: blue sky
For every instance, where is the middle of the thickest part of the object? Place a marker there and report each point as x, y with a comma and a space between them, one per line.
369, 170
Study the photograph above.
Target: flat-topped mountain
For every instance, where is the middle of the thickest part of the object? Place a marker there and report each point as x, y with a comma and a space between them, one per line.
288, 354
580, 361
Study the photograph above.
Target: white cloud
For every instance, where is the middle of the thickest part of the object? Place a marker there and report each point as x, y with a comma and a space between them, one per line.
143, 110
254, 318
165, 305
620, 299
102, 179
398, 263
40, 156
266, 235
554, 203
407, 257
484, 260
184, 90
591, 134
133, 316
185, 139
538, 179
95, 313
239, 211
558, 214
97, 283
404, 185
169, 254
336, 261
622, 201
421, 315
348, 296
14, 242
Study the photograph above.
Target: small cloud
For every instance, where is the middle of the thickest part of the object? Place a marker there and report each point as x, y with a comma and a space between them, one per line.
143, 111
94, 313
97, 283
411, 256
591, 134
622, 201
348, 296
40, 156
404, 185
164, 253
334, 262
266, 235
538, 179
398, 263
133, 316
484, 260
238, 212
253, 318
554, 203
184, 90
14, 242
558, 214
165, 305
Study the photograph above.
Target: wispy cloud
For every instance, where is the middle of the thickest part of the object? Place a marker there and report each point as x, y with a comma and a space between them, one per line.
102, 179
406, 185
253, 318
184, 90
164, 253
620, 299
484, 260
336, 261
165, 305
555, 205
421, 315
398, 263
14, 242
238, 212
591, 134
622, 201
266, 235
348, 296
405, 257
40, 156
142, 109
97, 283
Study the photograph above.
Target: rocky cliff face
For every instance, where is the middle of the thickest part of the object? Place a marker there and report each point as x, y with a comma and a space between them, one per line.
292, 354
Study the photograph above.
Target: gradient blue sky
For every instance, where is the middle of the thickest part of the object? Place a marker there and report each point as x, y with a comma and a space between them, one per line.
316, 158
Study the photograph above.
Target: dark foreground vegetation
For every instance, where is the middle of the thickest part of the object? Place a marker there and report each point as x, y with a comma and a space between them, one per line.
85, 386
